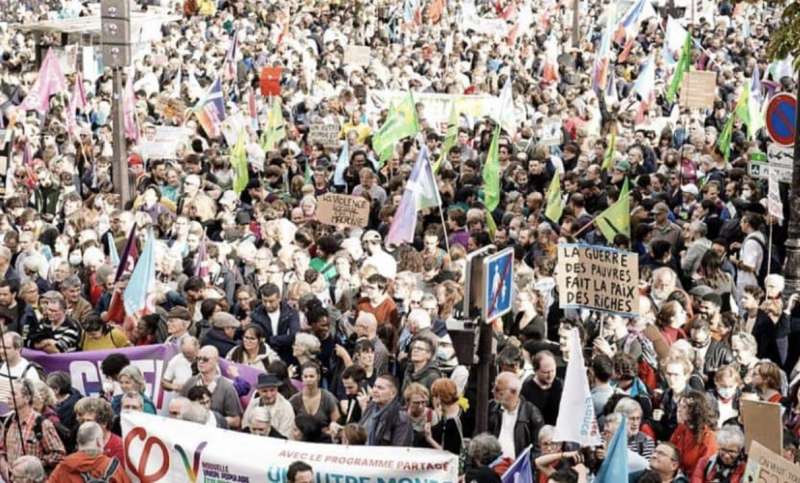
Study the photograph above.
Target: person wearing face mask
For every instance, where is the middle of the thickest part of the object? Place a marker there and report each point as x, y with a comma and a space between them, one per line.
726, 393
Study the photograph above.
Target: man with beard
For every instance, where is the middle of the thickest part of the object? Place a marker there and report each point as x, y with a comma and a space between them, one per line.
664, 283
195, 203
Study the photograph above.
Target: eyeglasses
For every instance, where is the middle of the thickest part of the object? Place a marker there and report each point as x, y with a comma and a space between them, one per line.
203, 359
249, 337
418, 403
419, 348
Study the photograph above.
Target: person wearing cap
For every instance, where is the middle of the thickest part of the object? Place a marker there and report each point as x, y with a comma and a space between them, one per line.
267, 397
222, 334
178, 321
384, 263
689, 197
663, 228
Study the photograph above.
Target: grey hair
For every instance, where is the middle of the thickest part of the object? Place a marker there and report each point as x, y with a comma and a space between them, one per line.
613, 420
260, 413
628, 407
16, 339
747, 340
547, 431
195, 413
32, 469
89, 435
730, 434
484, 448
135, 374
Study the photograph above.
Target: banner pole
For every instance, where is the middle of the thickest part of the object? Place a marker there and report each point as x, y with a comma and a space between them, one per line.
769, 250
444, 227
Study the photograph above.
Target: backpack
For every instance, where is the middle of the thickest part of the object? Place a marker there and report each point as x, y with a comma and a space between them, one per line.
38, 368
106, 478
9, 425
773, 265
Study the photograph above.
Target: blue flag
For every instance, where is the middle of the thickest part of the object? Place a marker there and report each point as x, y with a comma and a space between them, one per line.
615, 467
142, 280
113, 256
520, 471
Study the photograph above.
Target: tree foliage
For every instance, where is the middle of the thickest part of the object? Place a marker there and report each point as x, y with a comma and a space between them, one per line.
785, 40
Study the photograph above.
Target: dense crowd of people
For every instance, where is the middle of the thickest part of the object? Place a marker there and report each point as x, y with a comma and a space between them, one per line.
349, 333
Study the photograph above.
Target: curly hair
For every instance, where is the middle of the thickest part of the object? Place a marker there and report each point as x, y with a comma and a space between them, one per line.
701, 416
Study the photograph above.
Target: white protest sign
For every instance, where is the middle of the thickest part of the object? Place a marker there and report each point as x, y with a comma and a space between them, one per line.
357, 55
162, 142
436, 107
598, 278
765, 466
161, 449
774, 204
325, 134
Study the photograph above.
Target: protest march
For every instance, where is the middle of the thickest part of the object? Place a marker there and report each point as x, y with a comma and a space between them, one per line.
409, 241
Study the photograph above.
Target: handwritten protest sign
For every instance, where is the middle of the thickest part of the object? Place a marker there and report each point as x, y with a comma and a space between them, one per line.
162, 142
335, 209
765, 466
762, 424
357, 55
699, 89
270, 81
598, 278
325, 134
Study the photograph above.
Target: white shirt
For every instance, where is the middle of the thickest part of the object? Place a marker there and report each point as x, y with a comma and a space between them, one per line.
506, 436
16, 374
274, 318
178, 370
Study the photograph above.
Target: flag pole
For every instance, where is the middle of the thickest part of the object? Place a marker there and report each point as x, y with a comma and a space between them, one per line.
769, 249
444, 227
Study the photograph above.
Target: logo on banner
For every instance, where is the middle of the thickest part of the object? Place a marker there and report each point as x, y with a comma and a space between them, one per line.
139, 468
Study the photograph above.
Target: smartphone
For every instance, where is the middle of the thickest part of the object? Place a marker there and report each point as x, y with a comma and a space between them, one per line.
429, 416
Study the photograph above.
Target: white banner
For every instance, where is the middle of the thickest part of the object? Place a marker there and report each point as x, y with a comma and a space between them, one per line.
161, 449
436, 107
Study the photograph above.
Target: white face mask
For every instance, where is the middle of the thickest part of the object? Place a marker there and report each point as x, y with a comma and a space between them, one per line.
75, 258
726, 392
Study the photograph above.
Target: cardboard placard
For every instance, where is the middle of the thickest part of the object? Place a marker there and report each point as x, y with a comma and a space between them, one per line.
357, 55
598, 278
162, 142
765, 466
270, 81
336, 209
699, 89
325, 134
762, 424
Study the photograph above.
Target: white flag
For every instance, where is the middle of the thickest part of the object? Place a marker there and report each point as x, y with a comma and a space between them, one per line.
576, 420
505, 113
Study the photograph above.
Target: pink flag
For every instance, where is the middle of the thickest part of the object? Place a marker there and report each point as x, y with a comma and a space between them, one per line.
129, 109
252, 109
76, 101
50, 81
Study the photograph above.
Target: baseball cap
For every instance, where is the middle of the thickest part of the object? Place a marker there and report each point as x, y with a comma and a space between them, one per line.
179, 313
690, 188
371, 235
660, 207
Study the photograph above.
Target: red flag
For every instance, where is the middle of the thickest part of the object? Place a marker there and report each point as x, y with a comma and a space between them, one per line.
270, 81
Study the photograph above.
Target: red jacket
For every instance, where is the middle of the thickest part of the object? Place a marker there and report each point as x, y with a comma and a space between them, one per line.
706, 471
692, 450
71, 467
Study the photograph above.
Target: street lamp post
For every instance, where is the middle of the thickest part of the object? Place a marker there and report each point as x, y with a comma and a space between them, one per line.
791, 268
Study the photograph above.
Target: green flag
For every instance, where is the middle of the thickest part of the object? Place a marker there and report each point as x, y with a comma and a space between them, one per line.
608, 157
400, 123
725, 137
276, 127
555, 205
307, 174
491, 226
239, 163
616, 218
450, 137
491, 174
625, 188
681, 69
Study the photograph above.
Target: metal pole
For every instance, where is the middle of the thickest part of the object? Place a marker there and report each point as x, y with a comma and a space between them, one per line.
120, 166
485, 361
576, 26
791, 268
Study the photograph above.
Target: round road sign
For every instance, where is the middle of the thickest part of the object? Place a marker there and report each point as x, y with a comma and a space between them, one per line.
781, 117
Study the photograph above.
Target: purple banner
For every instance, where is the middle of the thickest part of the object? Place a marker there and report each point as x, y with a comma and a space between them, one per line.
84, 367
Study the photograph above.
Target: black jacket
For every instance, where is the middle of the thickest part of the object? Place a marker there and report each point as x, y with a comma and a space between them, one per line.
288, 325
218, 339
526, 430
391, 427
717, 355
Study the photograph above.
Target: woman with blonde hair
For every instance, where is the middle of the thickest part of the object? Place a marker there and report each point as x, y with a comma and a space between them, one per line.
306, 348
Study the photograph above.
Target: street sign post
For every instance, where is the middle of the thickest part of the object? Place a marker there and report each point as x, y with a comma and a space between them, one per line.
499, 272
777, 158
780, 118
